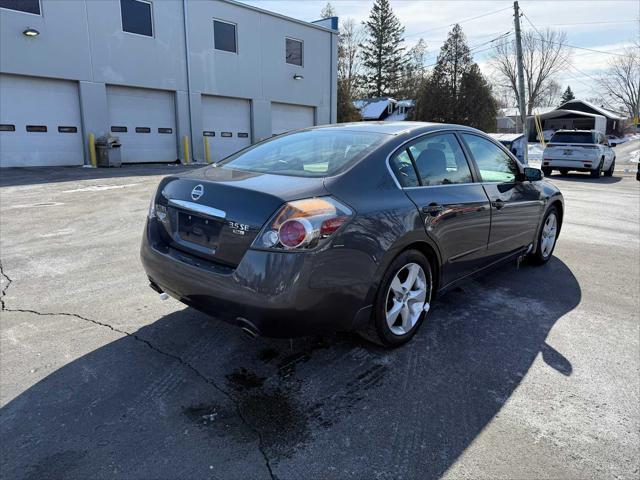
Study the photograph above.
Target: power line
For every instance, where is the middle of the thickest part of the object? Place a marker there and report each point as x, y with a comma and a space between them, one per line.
567, 45
461, 21
475, 47
585, 23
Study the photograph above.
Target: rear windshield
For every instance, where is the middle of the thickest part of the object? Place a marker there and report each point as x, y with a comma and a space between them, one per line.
572, 137
314, 153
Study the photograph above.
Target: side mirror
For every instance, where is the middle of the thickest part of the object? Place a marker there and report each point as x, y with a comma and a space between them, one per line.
532, 174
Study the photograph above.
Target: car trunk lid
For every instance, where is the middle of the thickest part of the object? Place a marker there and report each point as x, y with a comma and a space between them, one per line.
216, 213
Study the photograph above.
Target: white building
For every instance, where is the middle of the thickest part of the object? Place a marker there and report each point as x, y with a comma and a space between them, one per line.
153, 72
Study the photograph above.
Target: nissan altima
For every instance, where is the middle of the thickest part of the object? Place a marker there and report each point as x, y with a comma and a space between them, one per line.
346, 227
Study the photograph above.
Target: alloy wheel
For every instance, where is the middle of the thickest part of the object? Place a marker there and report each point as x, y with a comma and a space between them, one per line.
549, 233
407, 298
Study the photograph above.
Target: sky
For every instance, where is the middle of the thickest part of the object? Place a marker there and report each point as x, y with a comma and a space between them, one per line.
609, 26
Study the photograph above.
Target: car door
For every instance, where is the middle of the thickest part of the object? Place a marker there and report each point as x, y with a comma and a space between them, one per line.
608, 152
516, 205
455, 210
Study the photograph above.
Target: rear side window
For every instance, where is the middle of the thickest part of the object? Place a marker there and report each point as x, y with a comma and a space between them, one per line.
572, 137
440, 160
313, 153
403, 169
494, 164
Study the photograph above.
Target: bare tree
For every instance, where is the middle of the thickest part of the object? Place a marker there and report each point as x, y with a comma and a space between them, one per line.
349, 59
620, 86
544, 56
550, 96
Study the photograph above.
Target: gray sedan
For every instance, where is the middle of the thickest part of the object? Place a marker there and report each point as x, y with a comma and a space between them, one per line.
346, 227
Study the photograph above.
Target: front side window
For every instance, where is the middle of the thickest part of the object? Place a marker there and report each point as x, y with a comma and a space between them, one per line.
26, 6
137, 17
440, 160
224, 36
494, 164
403, 169
294, 51
314, 153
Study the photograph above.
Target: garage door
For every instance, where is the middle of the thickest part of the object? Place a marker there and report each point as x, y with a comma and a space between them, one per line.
144, 121
39, 122
285, 117
226, 125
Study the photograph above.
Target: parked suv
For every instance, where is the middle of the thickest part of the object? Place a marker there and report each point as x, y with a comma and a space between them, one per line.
579, 150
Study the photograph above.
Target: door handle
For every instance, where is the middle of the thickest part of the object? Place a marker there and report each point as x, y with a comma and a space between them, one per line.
432, 209
498, 204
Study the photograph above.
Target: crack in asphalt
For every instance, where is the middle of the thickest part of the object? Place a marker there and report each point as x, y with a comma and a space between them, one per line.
5, 288
184, 363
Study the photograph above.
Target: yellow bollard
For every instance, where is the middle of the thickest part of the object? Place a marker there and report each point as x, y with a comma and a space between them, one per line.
207, 152
185, 148
92, 150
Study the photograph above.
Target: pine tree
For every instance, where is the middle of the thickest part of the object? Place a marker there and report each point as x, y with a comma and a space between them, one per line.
382, 53
456, 91
567, 95
328, 11
476, 104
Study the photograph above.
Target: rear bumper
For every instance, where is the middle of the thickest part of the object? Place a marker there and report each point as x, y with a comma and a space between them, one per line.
581, 165
275, 294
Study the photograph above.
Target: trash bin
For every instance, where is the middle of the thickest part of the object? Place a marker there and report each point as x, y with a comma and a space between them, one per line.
108, 152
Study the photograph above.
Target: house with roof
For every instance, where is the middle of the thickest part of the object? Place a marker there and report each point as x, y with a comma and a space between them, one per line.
579, 115
509, 121
384, 108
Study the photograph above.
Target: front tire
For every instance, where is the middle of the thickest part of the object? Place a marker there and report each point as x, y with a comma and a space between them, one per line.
402, 301
547, 237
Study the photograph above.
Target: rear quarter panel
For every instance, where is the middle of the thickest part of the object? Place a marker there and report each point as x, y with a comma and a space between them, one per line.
386, 220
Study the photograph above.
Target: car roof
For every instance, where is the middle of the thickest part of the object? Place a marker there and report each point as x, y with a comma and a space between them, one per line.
390, 128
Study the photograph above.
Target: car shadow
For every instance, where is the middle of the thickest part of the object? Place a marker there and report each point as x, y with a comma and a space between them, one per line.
584, 177
190, 397
12, 177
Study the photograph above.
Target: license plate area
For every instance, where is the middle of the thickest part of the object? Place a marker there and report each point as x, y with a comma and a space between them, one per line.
568, 152
199, 230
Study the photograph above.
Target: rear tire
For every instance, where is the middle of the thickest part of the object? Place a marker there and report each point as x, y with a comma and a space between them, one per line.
547, 171
564, 171
402, 301
547, 237
596, 173
609, 172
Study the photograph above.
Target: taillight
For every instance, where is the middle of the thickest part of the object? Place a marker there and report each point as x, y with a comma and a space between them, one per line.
303, 224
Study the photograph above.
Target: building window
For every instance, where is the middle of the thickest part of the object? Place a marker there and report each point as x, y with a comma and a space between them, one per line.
26, 6
224, 36
137, 17
294, 51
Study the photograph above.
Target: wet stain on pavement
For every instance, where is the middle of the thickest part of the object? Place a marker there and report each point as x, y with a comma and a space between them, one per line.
268, 354
286, 403
242, 379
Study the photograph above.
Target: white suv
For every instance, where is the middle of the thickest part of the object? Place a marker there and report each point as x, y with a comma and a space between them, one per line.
579, 150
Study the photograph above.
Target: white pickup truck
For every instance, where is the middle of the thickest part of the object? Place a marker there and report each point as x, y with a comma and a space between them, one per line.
579, 150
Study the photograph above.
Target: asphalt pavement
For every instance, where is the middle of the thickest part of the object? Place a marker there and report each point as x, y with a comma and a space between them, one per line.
529, 372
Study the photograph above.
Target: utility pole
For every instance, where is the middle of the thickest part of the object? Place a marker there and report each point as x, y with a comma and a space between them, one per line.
521, 93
